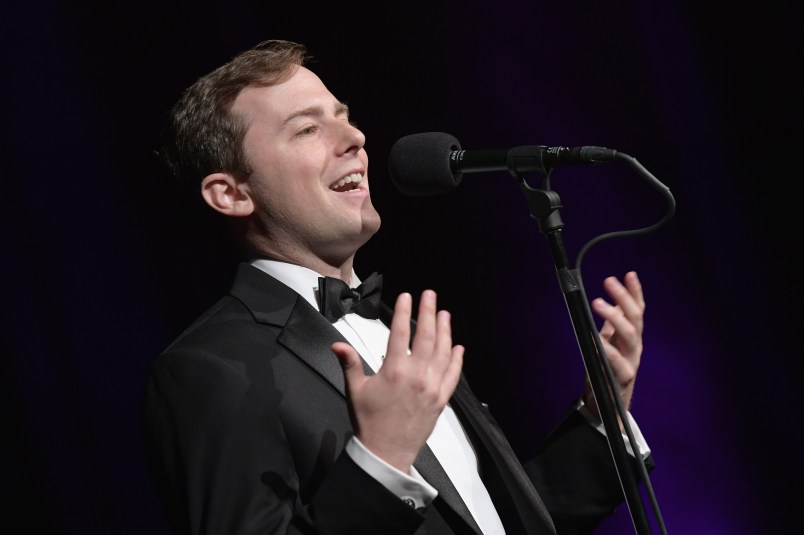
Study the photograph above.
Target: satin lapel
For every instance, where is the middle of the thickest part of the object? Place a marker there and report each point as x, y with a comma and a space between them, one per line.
529, 510
305, 332
430, 469
309, 335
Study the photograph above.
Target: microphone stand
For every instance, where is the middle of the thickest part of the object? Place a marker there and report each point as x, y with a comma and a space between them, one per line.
544, 208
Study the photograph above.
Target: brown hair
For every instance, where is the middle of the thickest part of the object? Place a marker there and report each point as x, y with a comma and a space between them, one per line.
202, 135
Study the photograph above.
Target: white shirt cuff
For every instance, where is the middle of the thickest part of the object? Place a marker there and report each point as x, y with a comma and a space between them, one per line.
412, 489
594, 421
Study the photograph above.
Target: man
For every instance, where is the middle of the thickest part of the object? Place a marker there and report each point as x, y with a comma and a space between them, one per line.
265, 416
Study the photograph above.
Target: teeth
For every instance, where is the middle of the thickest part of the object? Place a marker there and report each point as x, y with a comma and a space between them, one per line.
355, 178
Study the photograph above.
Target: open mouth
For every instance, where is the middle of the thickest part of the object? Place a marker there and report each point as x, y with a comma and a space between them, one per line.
347, 183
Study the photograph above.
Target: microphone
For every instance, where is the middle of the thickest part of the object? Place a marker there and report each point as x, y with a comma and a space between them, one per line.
431, 163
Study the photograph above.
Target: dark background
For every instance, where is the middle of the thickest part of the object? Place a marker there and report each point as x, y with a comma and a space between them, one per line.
104, 262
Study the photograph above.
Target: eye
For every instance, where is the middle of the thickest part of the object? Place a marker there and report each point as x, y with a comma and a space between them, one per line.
307, 130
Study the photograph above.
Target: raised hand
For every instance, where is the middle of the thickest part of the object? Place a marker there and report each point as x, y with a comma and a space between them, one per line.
621, 333
395, 411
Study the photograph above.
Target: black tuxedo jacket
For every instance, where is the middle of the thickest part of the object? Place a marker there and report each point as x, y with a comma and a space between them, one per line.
246, 422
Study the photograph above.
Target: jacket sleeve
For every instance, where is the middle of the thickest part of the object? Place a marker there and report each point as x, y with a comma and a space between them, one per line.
223, 464
575, 476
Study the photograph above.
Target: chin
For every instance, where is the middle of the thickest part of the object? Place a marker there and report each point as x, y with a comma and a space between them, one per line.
370, 229
371, 220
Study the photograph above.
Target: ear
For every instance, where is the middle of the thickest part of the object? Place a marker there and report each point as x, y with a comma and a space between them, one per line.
227, 195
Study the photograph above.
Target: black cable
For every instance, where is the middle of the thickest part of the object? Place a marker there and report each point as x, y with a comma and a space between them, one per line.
606, 366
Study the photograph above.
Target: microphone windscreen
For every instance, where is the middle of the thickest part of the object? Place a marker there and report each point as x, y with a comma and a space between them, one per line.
419, 164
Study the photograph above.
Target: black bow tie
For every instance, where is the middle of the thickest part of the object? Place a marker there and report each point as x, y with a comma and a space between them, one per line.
336, 298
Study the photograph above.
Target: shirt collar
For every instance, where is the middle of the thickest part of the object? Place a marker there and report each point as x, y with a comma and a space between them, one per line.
302, 280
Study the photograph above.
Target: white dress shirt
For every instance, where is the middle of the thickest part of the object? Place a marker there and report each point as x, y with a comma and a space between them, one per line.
448, 440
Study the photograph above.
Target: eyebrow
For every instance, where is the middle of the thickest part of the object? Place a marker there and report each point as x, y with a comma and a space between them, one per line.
340, 108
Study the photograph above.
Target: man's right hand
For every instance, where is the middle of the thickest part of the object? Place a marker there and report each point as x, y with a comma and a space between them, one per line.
396, 410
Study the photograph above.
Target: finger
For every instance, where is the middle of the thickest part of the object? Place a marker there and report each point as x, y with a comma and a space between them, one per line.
625, 300
350, 362
634, 286
607, 331
442, 350
618, 292
400, 328
453, 373
615, 322
620, 351
425, 325
623, 368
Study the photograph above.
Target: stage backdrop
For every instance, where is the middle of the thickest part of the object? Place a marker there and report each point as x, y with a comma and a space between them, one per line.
104, 262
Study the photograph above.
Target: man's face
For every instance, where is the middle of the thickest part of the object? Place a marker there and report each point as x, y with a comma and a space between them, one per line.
309, 182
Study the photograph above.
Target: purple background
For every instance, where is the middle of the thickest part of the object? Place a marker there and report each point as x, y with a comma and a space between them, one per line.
104, 263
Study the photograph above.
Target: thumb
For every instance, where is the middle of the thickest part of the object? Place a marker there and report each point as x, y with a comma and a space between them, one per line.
350, 362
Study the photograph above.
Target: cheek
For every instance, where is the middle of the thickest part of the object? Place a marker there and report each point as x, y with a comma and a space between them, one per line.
300, 170
290, 179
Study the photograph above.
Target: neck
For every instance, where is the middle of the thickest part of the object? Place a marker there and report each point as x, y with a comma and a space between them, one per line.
327, 268
341, 271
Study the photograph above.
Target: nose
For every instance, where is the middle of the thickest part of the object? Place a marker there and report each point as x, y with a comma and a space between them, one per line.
353, 139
